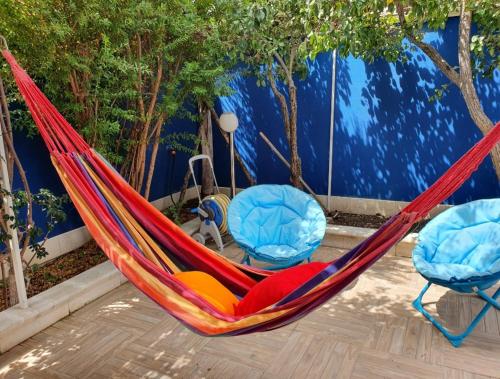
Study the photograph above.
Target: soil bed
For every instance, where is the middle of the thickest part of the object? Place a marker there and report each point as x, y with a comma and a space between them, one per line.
185, 213
338, 218
361, 221
366, 221
61, 268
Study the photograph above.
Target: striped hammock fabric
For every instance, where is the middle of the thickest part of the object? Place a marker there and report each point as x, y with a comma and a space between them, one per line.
148, 248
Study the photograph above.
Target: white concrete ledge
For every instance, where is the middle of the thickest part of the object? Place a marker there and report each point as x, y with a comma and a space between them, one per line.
361, 205
50, 306
346, 237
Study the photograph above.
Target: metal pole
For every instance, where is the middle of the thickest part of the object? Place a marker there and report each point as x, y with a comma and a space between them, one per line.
332, 125
233, 179
13, 241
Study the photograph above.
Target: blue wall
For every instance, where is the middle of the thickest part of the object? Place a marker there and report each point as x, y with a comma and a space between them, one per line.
390, 141
41, 174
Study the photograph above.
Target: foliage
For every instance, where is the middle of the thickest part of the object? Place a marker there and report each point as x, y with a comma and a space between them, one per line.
184, 142
272, 40
173, 212
377, 28
369, 29
270, 29
52, 207
118, 68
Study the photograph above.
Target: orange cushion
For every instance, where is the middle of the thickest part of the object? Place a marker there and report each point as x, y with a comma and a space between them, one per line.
209, 289
275, 287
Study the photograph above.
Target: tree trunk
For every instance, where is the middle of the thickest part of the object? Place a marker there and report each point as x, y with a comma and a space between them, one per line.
8, 128
295, 163
13, 161
154, 154
207, 179
134, 166
185, 184
289, 117
5, 290
187, 175
282, 102
463, 78
13, 299
467, 84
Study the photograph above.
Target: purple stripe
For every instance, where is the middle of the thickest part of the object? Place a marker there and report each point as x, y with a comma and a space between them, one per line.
334, 267
125, 231
76, 158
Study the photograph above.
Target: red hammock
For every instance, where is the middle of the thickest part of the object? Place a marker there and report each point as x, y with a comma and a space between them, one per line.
147, 247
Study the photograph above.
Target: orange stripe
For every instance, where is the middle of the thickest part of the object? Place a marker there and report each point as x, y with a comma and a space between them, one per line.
142, 238
178, 304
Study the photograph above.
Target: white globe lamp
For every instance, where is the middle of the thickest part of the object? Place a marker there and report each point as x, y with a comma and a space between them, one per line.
229, 123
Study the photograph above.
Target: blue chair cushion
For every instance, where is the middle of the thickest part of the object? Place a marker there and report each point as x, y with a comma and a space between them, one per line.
461, 244
276, 222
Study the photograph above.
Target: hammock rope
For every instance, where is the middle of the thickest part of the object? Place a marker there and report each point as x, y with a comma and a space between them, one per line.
148, 248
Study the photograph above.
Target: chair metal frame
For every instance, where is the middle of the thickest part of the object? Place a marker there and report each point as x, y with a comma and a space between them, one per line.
473, 287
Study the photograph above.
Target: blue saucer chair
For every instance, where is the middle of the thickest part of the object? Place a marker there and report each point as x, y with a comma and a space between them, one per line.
278, 224
460, 249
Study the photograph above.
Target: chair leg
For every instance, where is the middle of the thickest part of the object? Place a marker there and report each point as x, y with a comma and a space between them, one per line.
492, 300
246, 260
456, 339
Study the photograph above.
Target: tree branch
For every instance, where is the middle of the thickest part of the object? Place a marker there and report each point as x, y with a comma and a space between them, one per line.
154, 92
466, 77
8, 125
293, 54
139, 78
281, 99
154, 153
9, 144
283, 65
430, 51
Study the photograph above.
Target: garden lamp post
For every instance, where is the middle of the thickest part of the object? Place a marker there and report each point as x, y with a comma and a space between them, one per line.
229, 123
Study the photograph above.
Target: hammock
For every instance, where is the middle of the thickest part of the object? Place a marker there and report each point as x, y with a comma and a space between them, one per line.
148, 248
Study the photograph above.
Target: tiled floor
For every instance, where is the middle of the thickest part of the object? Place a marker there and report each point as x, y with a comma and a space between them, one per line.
368, 331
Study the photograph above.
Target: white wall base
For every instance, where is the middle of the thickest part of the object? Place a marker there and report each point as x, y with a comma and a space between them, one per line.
347, 237
373, 206
50, 306
365, 206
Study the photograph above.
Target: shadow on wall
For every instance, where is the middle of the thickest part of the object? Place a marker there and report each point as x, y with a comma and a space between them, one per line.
258, 110
391, 141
